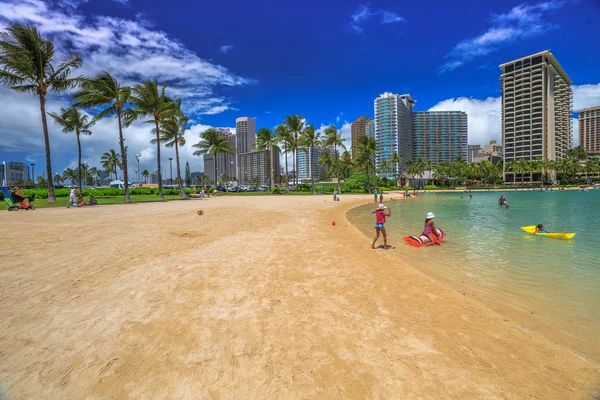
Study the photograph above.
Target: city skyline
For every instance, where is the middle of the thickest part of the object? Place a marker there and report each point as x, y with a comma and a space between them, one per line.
224, 80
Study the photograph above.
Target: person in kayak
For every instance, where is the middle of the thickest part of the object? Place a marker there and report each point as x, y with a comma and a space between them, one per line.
540, 229
380, 215
429, 230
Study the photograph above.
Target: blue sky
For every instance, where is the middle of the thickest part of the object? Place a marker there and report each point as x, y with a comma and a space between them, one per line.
324, 60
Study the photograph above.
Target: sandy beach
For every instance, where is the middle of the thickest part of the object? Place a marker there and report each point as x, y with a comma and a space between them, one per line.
260, 297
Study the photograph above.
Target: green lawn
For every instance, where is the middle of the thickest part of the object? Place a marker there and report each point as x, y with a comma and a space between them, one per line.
62, 201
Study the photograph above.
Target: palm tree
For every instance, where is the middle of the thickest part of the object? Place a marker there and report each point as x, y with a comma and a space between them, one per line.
309, 140
57, 179
105, 90
212, 143
335, 139
295, 126
110, 161
150, 101
346, 164
27, 65
172, 134
69, 174
413, 168
366, 148
396, 160
284, 138
146, 174
72, 120
265, 140
94, 174
325, 161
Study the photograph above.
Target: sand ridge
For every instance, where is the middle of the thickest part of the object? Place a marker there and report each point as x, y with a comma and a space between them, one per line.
261, 297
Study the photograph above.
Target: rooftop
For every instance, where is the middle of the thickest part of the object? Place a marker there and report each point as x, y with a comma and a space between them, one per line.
551, 60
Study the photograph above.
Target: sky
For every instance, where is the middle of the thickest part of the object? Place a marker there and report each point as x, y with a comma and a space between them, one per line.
266, 59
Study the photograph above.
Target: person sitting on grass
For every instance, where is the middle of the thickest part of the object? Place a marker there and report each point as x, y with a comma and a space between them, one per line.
80, 202
540, 229
93, 201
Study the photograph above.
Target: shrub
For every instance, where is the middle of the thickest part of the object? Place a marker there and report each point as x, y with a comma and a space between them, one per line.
431, 187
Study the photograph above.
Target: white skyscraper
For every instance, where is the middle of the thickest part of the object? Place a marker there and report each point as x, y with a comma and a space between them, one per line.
393, 127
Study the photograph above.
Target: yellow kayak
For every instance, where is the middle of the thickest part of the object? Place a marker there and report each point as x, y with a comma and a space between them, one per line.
556, 235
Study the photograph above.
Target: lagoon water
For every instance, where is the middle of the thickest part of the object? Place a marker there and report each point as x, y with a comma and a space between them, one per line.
547, 285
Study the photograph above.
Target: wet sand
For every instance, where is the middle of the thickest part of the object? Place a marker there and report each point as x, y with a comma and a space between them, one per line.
261, 297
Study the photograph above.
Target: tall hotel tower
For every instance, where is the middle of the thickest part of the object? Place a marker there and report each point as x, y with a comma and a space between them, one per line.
537, 106
393, 127
245, 132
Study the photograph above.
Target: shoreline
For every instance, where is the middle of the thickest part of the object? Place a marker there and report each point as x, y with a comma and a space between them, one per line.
517, 313
260, 297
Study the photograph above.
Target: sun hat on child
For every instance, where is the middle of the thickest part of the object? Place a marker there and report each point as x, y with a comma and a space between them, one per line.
381, 207
430, 215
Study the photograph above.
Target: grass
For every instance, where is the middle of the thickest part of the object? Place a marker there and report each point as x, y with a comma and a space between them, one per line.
62, 201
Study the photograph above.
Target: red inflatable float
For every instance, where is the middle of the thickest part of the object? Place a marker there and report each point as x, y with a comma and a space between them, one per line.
418, 241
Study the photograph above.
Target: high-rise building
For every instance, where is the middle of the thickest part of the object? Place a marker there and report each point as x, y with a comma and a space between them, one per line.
359, 128
537, 105
493, 149
439, 136
370, 129
589, 129
14, 172
472, 151
245, 132
255, 167
307, 164
393, 127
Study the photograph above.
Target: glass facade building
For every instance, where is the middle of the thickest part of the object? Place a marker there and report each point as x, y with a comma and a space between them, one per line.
440, 136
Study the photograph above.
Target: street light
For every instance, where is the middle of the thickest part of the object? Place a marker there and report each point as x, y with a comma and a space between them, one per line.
137, 157
231, 170
171, 170
33, 174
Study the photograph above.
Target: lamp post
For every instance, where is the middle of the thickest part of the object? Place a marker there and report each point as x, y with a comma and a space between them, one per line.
171, 170
137, 157
33, 174
231, 170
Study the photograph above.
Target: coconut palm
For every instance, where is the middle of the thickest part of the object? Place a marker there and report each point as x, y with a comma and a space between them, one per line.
309, 139
27, 65
110, 161
172, 133
146, 174
57, 179
69, 174
366, 148
212, 143
93, 174
284, 138
396, 160
265, 140
295, 126
105, 91
325, 161
346, 164
151, 101
335, 139
72, 120
414, 168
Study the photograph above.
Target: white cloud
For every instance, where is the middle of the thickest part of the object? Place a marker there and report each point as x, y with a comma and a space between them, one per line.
131, 50
225, 49
520, 22
484, 116
365, 13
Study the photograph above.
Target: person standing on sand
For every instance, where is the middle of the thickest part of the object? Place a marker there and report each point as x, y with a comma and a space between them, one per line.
380, 215
72, 197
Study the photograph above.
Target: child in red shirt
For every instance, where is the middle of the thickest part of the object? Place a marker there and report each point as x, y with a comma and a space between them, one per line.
380, 215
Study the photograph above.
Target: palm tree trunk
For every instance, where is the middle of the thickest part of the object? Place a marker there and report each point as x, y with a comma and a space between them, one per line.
160, 191
215, 164
287, 175
51, 198
312, 175
79, 169
271, 167
367, 169
181, 192
294, 162
124, 158
337, 168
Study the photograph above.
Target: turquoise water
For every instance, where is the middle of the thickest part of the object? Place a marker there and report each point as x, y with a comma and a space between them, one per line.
548, 285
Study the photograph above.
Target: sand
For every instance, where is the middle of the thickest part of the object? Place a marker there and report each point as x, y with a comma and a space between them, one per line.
261, 297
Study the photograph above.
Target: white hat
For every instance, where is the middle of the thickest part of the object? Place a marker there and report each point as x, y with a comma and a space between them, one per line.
430, 215
382, 207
